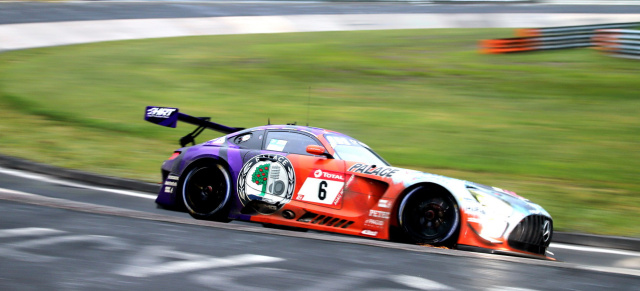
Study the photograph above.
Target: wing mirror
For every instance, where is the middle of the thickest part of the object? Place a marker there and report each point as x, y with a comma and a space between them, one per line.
318, 150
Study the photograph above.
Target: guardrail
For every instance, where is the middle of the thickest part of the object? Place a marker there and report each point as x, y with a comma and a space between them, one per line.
623, 43
535, 39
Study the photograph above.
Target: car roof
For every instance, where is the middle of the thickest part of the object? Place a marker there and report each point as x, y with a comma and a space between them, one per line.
316, 131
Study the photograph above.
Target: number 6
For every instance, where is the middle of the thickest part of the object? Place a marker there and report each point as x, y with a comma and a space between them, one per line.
322, 193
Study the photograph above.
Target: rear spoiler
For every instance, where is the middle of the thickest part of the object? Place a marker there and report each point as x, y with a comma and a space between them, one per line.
169, 116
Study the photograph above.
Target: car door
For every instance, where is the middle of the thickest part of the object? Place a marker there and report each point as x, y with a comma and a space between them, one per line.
319, 179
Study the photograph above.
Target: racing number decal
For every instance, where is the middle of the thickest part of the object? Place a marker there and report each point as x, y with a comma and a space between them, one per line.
322, 193
323, 187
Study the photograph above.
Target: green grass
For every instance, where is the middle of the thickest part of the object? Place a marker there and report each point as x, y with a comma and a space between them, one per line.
559, 127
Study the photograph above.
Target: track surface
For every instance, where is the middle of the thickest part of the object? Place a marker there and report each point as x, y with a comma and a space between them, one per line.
44, 247
71, 251
82, 251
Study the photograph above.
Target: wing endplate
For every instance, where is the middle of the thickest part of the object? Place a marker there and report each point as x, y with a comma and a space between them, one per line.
169, 116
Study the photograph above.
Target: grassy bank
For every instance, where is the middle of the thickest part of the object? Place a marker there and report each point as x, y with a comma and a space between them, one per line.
558, 127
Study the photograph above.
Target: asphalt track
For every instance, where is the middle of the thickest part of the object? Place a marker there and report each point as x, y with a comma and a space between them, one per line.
83, 237
65, 236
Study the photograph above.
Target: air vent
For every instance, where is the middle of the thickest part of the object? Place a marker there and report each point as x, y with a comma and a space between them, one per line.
314, 218
533, 234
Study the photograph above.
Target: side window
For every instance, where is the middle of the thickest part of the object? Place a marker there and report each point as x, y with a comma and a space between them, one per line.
249, 139
289, 142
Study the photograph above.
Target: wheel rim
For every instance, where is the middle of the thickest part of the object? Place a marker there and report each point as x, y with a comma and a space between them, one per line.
206, 190
429, 217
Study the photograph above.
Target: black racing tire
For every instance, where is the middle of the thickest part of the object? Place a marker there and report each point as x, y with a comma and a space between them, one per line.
206, 192
429, 215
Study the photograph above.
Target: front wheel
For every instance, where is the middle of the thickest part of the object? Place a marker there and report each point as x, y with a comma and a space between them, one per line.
205, 191
429, 215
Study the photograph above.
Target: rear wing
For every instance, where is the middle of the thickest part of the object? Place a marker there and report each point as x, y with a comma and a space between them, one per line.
169, 116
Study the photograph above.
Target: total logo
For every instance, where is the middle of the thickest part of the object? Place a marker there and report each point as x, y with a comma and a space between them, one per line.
326, 175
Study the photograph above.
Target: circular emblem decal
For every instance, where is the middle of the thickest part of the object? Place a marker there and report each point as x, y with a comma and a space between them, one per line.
317, 173
266, 183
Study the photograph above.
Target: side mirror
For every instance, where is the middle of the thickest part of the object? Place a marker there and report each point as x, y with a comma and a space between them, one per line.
318, 150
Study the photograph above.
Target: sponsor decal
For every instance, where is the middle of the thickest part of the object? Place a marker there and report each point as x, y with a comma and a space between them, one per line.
379, 214
349, 181
373, 170
164, 116
337, 140
369, 232
160, 112
384, 203
474, 210
217, 141
336, 201
171, 183
267, 181
323, 187
374, 223
276, 145
328, 175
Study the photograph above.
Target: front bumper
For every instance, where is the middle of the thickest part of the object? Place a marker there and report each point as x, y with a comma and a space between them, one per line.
529, 236
532, 234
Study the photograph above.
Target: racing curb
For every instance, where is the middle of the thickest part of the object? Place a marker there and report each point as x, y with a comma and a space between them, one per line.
614, 242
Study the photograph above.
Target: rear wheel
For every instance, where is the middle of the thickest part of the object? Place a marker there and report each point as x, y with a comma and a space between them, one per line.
206, 191
429, 215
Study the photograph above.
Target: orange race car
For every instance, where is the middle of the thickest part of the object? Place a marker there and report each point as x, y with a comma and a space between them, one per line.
312, 178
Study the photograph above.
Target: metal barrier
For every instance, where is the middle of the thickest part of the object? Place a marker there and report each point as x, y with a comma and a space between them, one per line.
534, 39
623, 43
572, 29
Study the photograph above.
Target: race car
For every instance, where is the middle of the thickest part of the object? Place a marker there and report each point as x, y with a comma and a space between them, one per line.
304, 177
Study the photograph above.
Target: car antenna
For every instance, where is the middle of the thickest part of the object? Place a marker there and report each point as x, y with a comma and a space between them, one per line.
268, 120
308, 104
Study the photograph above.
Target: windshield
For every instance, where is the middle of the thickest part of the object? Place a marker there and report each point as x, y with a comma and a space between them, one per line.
349, 149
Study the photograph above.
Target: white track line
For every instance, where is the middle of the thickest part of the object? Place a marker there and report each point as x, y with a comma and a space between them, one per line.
28, 231
49, 179
594, 250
